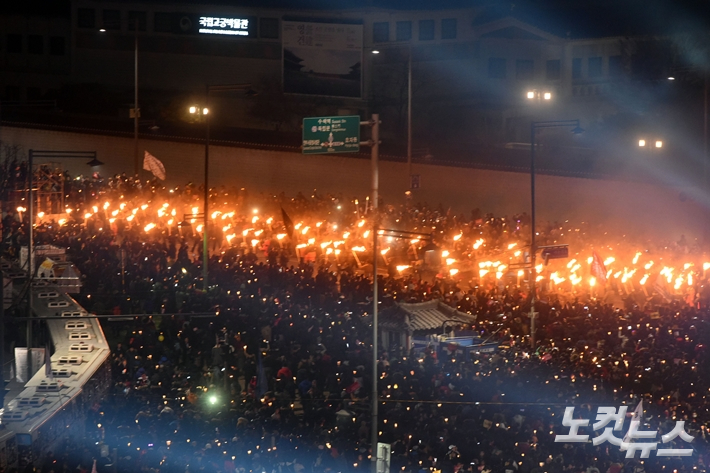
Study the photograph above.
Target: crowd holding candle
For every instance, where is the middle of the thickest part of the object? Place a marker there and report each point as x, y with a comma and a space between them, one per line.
278, 380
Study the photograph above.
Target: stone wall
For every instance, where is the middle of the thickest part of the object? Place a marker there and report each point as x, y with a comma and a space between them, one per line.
633, 208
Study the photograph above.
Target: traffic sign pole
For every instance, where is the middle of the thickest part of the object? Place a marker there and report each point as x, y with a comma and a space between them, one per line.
322, 135
554, 251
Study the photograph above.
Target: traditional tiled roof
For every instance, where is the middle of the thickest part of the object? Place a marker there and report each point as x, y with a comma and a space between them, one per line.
421, 316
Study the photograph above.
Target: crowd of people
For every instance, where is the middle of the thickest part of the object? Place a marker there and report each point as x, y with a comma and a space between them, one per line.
268, 369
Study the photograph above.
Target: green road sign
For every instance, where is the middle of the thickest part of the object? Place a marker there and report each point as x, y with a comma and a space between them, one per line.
331, 135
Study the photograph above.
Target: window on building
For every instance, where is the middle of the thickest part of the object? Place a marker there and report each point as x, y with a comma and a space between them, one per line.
56, 45
426, 30
14, 43
86, 18
448, 28
496, 68
137, 17
524, 69
111, 19
552, 69
163, 22
269, 28
577, 68
594, 67
616, 66
404, 30
35, 44
381, 32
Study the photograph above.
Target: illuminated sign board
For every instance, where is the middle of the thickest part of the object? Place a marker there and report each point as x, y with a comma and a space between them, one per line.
228, 26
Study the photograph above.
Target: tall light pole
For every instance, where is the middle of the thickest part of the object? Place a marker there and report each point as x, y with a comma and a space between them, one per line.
205, 112
375, 234
409, 116
409, 111
136, 109
205, 209
534, 126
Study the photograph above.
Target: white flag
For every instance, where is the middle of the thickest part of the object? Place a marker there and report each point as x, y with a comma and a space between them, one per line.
637, 418
153, 164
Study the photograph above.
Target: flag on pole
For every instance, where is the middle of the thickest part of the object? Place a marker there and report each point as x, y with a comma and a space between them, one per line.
153, 164
598, 268
636, 421
48, 363
288, 223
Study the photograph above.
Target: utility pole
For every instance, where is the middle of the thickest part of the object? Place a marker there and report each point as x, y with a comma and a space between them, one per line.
30, 257
136, 109
375, 156
534, 126
533, 249
409, 117
205, 237
2, 343
705, 150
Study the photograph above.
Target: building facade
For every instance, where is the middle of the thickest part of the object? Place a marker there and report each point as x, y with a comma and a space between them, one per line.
476, 80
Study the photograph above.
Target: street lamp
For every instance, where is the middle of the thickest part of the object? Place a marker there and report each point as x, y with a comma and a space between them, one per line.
136, 110
204, 111
534, 126
194, 110
539, 95
658, 144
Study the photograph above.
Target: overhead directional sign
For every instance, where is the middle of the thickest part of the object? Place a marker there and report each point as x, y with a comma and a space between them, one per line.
555, 252
323, 135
